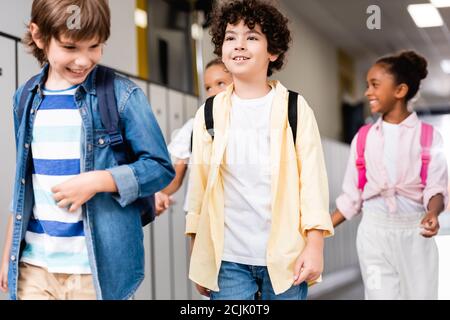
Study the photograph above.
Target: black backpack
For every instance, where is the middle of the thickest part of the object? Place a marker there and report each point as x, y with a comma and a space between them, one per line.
292, 115
109, 115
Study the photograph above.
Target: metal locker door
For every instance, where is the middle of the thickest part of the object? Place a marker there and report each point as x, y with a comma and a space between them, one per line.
163, 282
176, 106
158, 101
191, 106
145, 290
176, 214
7, 141
28, 65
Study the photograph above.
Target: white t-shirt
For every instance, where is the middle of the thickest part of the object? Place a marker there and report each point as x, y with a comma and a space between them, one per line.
247, 181
180, 149
378, 204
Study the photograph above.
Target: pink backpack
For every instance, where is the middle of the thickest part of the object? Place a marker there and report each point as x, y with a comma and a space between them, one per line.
426, 139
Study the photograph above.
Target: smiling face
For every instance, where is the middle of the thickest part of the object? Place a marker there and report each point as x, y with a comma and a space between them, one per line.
71, 62
244, 51
382, 90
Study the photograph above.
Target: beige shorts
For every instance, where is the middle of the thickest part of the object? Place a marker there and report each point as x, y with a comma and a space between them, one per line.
36, 283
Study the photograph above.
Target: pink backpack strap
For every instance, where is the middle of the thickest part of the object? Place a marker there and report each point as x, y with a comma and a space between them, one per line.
426, 140
360, 161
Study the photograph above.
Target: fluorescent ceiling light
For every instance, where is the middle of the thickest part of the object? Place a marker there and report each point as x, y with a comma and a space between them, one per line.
140, 18
425, 15
445, 65
440, 3
196, 31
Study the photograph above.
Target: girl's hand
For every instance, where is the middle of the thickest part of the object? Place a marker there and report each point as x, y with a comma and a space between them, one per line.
430, 225
75, 192
6, 256
162, 202
4, 276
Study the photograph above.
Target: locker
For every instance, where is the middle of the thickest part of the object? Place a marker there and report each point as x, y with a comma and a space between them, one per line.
7, 142
176, 214
162, 243
191, 106
28, 65
143, 85
145, 290
158, 101
163, 280
176, 107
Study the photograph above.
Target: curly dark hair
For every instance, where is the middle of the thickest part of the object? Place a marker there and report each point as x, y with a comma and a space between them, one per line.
407, 67
253, 12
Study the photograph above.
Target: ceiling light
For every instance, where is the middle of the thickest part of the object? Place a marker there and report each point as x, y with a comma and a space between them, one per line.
445, 65
425, 15
196, 31
440, 3
140, 18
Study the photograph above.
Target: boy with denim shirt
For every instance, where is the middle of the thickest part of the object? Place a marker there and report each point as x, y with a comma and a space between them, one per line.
76, 232
258, 205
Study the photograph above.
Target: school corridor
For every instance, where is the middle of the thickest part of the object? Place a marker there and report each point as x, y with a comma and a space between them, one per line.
164, 46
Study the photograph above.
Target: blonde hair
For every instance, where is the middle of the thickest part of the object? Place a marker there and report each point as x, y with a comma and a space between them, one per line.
53, 17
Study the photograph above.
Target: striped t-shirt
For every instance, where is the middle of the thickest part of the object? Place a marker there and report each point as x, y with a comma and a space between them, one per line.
55, 237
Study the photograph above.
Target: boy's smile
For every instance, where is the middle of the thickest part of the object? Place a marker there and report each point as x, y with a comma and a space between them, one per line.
71, 62
244, 51
78, 72
240, 58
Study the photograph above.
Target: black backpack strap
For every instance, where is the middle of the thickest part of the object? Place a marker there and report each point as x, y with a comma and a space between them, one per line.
292, 113
209, 120
109, 113
24, 97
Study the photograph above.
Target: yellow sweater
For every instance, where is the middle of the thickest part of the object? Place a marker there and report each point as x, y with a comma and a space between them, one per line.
298, 182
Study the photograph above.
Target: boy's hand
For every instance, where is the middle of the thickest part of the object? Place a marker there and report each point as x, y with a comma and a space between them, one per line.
202, 290
6, 256
309, 264
162, 202
75, 192
430, 225
4, 276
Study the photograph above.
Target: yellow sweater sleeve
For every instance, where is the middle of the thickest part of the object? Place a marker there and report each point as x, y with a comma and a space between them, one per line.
199, 167
314, 196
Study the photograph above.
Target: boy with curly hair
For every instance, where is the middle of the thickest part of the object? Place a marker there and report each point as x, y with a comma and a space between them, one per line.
258, 205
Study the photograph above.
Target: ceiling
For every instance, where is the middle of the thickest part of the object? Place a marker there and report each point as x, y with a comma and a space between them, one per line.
343, 22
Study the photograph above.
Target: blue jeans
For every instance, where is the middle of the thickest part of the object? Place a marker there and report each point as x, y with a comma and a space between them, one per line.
244, 282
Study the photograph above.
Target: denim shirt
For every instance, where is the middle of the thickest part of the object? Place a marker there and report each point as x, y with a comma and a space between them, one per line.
112, 223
